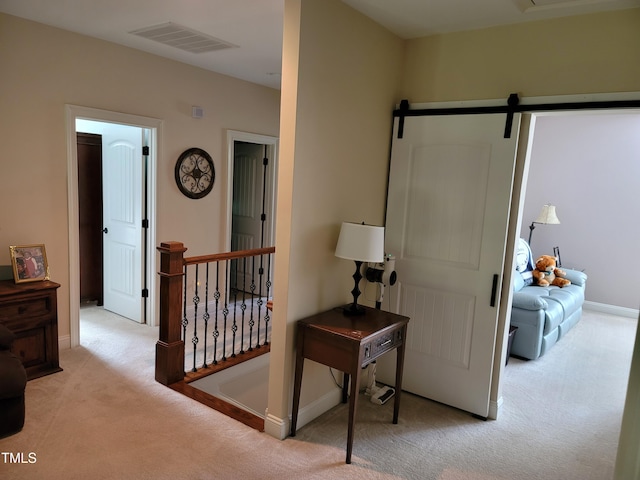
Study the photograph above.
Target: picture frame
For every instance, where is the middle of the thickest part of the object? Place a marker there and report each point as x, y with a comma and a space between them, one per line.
29, 263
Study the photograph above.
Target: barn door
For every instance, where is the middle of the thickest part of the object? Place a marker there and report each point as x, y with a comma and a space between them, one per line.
447, 213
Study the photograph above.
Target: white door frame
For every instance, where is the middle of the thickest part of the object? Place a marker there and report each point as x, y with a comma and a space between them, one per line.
236, 136
74, 112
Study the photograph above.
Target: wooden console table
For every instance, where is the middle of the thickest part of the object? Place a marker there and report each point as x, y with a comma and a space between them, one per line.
349, 343
30, 311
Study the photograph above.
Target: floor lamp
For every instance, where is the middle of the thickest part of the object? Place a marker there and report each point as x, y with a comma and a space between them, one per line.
360, 243
547, 217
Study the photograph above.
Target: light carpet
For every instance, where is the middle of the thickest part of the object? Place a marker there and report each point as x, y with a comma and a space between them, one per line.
105, 417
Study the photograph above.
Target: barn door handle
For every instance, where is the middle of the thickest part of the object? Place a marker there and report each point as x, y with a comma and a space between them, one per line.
494, 290
105, 230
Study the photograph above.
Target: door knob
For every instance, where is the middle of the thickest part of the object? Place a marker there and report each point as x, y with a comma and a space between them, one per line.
105, 230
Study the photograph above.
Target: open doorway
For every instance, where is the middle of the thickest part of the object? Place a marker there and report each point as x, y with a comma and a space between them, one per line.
112, 190
128, 268
585, 164
251, 167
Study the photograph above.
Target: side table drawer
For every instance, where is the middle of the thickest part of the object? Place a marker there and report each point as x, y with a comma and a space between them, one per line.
382, 344
14, 314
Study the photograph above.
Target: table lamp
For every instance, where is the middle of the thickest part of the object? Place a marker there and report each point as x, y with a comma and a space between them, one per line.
360, 243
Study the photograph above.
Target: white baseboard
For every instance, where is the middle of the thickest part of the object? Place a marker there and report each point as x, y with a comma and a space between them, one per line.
64, 342
276, 427
494, 408
611, 309
279, 428
318, 407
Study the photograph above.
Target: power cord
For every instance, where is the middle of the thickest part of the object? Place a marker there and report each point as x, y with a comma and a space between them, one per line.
334, 378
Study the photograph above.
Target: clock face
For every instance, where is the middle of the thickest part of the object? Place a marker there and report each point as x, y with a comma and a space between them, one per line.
195, 173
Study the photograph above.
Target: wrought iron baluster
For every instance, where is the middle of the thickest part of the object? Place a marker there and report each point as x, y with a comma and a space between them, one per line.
185, 322
225, 311
243, 305
263, 217
252, 321
260, 300
205, 316
265, 163
267, 316
234, 324
216, 331
196, 301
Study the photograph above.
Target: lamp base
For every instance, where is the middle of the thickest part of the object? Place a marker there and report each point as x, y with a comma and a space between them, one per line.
352, 310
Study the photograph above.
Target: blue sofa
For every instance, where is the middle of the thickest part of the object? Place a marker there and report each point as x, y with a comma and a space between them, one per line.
543, 315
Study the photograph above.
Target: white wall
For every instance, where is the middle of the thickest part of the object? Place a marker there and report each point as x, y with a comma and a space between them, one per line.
588, 166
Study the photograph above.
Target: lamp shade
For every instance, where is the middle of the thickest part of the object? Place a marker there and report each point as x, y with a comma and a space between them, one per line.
359, 242
548, 215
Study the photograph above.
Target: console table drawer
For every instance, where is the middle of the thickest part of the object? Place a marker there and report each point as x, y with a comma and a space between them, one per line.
17, 312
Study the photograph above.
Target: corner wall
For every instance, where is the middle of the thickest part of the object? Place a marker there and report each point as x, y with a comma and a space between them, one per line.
340, 78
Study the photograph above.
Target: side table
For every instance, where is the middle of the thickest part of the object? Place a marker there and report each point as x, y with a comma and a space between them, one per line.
349, 343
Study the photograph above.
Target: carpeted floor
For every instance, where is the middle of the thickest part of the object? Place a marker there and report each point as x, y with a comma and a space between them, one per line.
105, 417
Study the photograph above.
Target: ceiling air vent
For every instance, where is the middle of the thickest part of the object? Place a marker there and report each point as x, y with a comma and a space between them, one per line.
183, 38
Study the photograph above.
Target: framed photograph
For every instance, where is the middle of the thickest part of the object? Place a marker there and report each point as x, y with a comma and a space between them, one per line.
29, 263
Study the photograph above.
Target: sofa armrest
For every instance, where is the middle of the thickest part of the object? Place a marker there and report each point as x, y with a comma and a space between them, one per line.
576, 277
528, 301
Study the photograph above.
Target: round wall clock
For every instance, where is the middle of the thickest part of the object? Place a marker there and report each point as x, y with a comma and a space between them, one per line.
195, 173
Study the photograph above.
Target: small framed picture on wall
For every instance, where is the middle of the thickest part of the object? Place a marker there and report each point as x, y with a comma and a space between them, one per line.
29, 263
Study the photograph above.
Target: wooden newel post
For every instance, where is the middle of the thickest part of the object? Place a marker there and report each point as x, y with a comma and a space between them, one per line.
170, 347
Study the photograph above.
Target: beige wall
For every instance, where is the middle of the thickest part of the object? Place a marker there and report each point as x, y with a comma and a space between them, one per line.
586, 54
334, 144
578, 55
44, 68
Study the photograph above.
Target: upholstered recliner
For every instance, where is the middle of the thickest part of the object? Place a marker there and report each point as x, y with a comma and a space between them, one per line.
13, 381
543, 315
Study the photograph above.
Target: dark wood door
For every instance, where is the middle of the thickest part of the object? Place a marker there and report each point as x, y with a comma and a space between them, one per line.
90, 214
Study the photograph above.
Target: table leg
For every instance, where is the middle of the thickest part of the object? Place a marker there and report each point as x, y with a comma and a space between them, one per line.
353, 402
399, 370
345, 387
297, 384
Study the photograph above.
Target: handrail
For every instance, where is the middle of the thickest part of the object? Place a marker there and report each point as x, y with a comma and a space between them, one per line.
217, 257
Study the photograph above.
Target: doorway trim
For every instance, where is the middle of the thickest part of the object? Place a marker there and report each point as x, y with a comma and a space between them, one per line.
272, 143
74, 112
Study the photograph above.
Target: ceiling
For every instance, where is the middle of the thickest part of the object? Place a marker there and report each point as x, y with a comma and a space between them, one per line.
252, 29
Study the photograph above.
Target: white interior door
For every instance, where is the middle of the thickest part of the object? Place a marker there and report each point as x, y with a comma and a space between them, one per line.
247, 196
247, 228
447, 212
122, 217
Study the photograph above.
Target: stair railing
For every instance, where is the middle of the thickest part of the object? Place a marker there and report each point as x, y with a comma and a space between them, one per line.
213, 309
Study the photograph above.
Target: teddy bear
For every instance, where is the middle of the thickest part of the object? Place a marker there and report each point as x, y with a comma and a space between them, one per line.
546, 273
